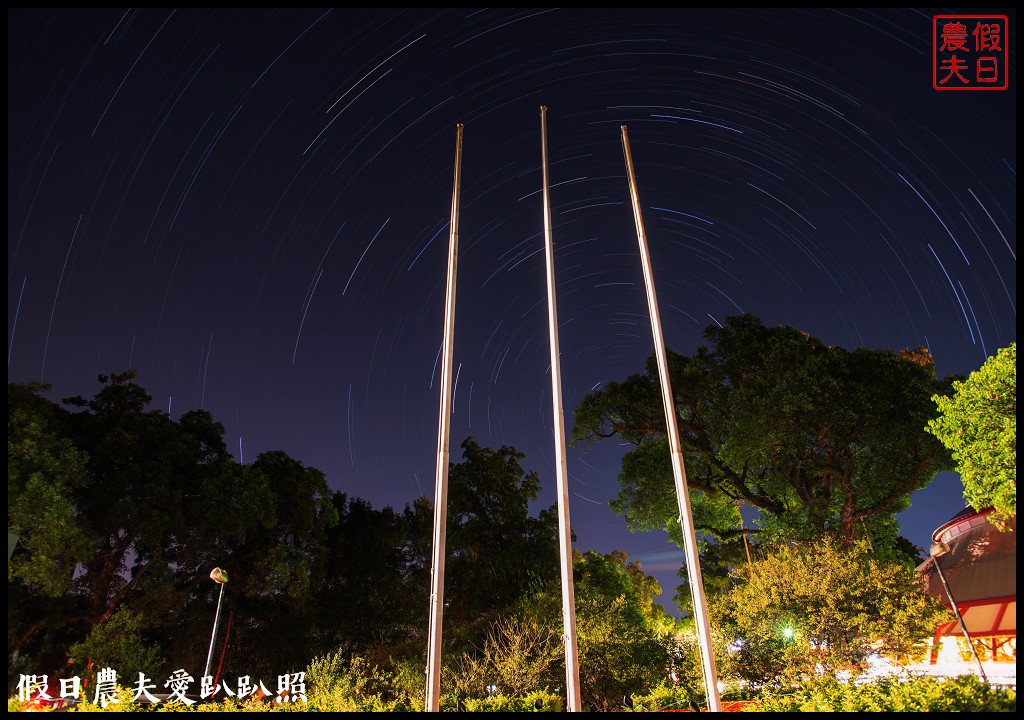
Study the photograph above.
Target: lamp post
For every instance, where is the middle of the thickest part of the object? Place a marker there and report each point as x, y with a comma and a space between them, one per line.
937, 550
221, 578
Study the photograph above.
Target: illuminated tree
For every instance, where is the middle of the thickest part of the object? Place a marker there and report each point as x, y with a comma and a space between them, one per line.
805, 607
119, 642
979, 426
820, 440
625, 641
43, 471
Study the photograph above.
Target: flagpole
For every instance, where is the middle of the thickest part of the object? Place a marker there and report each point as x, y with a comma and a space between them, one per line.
678, 469
443, 432
572, 674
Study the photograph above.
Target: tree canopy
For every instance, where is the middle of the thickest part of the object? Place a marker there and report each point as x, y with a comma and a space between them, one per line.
820, 440
821, 606
496, 549
44, 470
122, 512
625, 641
978, 424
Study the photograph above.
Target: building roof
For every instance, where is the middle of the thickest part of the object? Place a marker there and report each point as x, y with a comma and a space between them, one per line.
981, 571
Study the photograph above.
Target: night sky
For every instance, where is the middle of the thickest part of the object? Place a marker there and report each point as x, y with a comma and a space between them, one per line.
251, 208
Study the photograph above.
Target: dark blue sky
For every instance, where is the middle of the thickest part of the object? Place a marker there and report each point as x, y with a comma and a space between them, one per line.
251, 207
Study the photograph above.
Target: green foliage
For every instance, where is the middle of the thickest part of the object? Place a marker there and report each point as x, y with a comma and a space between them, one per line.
324, 576
826, 694
645, 589
495, 547
337, 684
624, 645
282, 559
518, 656
965, 693
368, 573
120, 507
332, 673
537, 701
823, 607
665, 697
816, 438
43, 471
647, 497
623, 640
978, 424
121, 701
119, 643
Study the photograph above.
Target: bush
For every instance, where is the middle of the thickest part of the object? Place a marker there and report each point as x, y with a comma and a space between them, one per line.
539, 701
340, 685
966, 693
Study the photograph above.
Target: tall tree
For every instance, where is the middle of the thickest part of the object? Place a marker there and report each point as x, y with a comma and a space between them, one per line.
145, 508
272, 562
125, 498
43, 472
818, 439
979, 426
364, 603
625, 642
495, 547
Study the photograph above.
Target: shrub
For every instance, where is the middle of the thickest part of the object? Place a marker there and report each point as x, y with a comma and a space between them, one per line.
965, 693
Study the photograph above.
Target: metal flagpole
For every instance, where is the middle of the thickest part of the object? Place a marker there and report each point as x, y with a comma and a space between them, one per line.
444, 422
678, 470
572, 674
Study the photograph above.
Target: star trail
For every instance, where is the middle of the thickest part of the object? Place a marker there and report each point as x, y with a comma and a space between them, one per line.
251, 208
